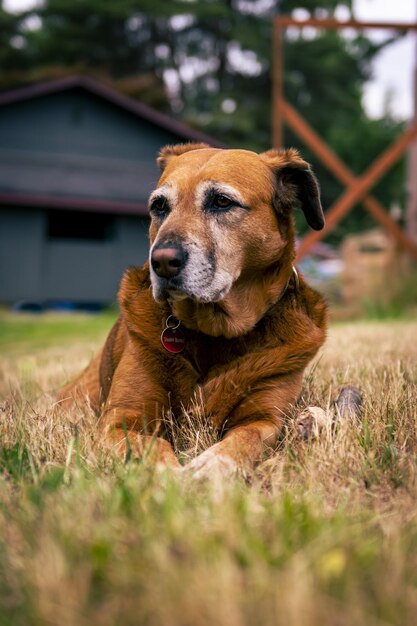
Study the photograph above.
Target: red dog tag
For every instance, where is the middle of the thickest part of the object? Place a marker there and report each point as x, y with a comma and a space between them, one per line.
172, 337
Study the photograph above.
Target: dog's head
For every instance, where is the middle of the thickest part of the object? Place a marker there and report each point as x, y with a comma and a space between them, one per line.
219, 214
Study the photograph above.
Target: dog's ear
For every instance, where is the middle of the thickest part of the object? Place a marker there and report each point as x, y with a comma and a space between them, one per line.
296, 185
167, 153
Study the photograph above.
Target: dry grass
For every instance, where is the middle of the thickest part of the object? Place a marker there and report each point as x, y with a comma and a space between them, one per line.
324, 534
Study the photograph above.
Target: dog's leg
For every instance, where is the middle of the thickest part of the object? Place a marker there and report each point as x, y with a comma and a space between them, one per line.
249, 400
252, 426
240, 450
127, 442
252, 373
133, 415
132, 433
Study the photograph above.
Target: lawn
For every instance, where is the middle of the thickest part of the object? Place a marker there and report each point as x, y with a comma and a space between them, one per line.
323, 534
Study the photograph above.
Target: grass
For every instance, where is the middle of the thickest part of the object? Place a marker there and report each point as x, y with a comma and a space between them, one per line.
22, 333
323, 534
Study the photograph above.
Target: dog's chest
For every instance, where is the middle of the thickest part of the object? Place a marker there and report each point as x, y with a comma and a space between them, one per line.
209, 355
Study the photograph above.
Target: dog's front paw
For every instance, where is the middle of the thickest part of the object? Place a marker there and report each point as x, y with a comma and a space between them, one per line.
212, 465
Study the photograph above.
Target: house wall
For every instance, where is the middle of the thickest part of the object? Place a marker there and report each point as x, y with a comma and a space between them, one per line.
21, 248
35, 267
73, 145
76, 144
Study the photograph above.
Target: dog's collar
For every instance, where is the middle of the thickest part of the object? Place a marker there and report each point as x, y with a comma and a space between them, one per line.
296, 278
172, 337
294, 275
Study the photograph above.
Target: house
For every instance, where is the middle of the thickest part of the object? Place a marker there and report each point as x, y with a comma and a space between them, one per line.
77, 163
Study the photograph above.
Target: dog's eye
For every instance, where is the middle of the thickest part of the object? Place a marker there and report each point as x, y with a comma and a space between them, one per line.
221, 201
159, 205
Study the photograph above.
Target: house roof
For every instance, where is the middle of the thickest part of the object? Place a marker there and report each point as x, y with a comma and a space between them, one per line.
79, 181
111, 95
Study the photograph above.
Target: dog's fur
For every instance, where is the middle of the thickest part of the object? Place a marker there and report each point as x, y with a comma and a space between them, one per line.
250, 327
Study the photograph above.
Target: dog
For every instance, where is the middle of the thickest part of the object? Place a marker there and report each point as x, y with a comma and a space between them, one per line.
218, 310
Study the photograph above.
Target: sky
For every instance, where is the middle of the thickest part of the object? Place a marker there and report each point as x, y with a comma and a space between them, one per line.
393, 70
394, 67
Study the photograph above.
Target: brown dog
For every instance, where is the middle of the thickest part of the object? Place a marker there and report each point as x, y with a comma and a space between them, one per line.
218, 310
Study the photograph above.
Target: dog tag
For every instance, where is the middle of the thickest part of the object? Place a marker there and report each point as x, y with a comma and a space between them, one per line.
172, 337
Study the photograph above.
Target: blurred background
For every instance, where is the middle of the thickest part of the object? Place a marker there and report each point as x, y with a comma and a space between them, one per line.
90, 91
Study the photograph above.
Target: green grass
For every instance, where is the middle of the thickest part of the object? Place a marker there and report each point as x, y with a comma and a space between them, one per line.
323, 534
22, 333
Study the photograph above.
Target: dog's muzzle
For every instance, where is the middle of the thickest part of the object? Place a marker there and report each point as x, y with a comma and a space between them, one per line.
168, 266
185, 270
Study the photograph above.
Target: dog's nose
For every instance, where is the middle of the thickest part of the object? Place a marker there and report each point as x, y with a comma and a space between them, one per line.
167, 261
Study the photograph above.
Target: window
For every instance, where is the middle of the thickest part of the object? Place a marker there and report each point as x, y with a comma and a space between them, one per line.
80, 225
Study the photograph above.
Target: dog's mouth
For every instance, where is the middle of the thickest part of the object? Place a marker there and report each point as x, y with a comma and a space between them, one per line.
171, 291
181, 272
164, 289
176, 295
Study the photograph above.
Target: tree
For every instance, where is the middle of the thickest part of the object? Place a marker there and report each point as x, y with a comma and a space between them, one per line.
13, 57
212, 59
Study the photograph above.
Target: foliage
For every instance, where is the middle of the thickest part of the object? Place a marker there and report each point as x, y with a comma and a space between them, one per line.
210, 62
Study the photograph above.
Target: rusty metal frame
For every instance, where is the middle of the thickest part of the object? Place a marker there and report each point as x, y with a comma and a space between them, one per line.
357, 188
